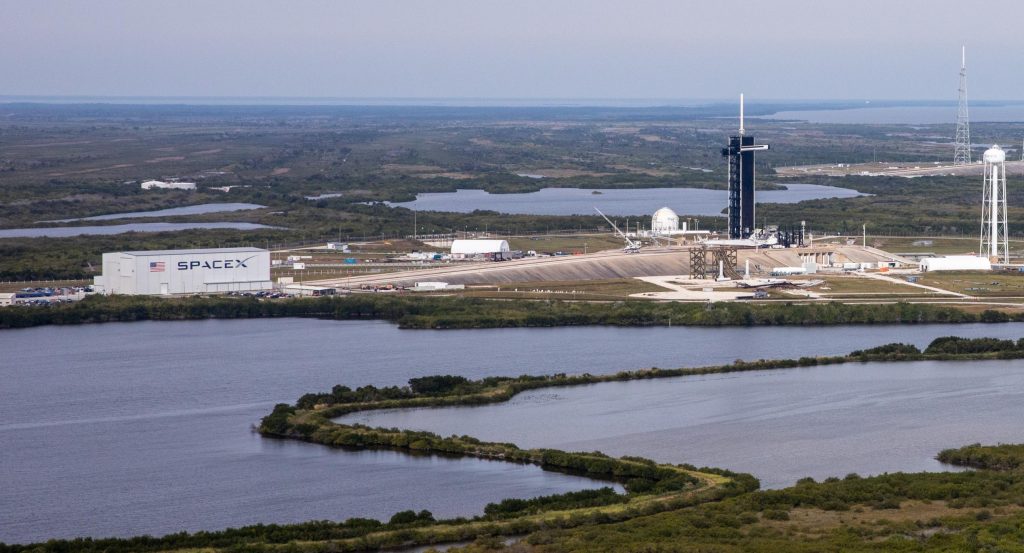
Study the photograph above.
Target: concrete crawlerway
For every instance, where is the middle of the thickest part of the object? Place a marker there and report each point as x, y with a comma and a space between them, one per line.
685, 289
878, 276
650, 262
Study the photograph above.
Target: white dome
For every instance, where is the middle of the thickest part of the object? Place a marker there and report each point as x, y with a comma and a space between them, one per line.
995, 154
664, 220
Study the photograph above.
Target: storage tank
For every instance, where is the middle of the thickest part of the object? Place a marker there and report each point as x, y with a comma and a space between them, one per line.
664, 221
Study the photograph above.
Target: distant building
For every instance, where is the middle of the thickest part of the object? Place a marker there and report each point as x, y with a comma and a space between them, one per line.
478, 247
7, 298
150, 184
165, 272
956, 263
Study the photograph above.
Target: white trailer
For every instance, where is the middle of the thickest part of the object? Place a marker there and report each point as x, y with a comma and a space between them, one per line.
201, 271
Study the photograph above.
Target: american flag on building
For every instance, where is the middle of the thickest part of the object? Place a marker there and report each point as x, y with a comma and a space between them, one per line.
157, 266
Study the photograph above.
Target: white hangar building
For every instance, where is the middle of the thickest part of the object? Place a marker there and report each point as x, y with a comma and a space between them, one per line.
477, 247
165, 272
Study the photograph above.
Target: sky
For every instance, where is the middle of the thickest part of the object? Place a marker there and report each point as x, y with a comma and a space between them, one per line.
666, 49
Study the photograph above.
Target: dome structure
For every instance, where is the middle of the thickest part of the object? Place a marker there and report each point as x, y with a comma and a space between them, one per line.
664, 221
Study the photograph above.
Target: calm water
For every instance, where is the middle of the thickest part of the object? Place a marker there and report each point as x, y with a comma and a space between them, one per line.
778, 425
576, 201
61, 232
906, 115
130, 428
197, 209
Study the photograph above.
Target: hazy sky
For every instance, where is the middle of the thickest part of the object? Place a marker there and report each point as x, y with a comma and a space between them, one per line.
678, 49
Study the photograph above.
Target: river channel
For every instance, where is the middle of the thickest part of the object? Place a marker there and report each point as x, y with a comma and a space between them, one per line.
130, 428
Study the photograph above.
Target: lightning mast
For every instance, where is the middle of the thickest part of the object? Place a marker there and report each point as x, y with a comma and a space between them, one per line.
962, 155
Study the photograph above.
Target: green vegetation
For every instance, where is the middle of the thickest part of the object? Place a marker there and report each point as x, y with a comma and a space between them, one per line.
888, 350
957, 346
943, 512
84, 160
454, 312
992, 457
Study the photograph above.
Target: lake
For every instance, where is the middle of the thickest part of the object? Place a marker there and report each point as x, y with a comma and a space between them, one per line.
63, 232
778, 425
129, 428
198, 209
581, 201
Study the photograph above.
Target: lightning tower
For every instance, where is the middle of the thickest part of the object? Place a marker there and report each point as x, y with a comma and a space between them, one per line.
994, 228
741, 181
962, 155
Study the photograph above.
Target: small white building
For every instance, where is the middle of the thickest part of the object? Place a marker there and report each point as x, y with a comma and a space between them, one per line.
200, 271
478, 247
174, 185
956, 263
309, 290
7, 298
435, 286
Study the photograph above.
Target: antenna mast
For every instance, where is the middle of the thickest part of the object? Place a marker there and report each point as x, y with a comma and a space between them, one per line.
742, 132
962, 155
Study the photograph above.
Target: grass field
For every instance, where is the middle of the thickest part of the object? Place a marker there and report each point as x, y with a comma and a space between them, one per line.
569, 244
619, 288
988, 284
859, 285
941, 246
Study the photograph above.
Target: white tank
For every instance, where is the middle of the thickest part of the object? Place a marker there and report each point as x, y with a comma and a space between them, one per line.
664, 220
995, 154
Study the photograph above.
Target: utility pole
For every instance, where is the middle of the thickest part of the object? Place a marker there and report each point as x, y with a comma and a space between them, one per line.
864, 229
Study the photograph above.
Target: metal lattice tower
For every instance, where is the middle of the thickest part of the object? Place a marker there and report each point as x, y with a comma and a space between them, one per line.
962, 156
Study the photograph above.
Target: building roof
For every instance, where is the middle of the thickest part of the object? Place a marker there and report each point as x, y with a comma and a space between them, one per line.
665, 212
193, 252
479, 246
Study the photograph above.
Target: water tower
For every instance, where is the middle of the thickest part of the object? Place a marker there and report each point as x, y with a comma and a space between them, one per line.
994, 228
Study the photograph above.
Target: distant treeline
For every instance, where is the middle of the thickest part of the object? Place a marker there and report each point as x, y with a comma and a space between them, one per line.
454, 312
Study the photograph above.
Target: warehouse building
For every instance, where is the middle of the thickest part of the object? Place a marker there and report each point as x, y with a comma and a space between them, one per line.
956, 263
173, 185
166, 272
462, 248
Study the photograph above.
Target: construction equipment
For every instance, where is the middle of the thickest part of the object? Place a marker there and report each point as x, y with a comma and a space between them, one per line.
631, 246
